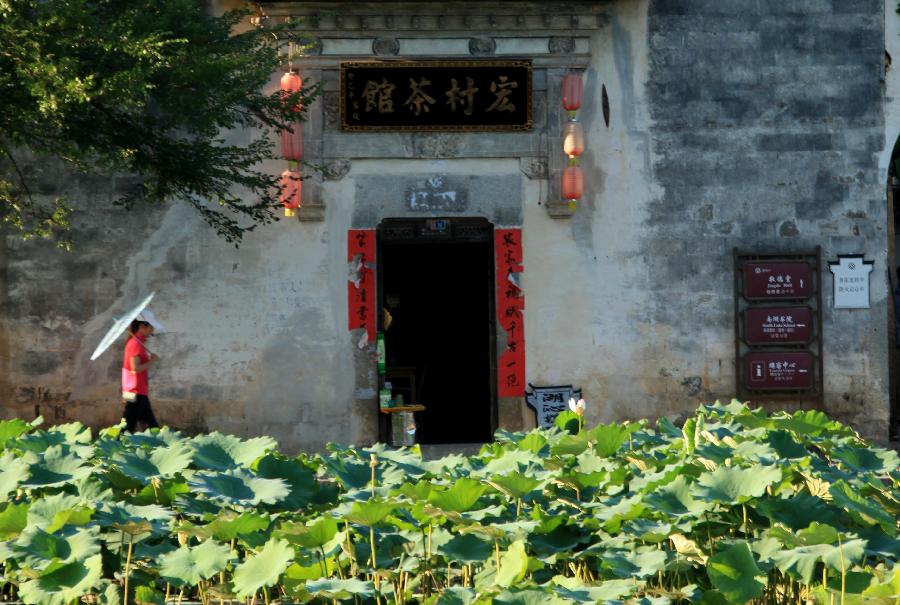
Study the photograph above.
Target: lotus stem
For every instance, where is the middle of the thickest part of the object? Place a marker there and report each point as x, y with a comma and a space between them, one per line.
128, 566
843, 570
266, 595
180, 595
497, 554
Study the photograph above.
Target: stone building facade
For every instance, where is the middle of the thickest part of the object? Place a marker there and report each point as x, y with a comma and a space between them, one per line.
762, 126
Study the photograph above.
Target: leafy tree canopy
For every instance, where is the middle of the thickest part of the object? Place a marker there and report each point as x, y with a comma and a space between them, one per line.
142, 88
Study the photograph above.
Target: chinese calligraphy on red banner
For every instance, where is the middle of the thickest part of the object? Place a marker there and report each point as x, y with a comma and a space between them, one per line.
510, 305
361, 305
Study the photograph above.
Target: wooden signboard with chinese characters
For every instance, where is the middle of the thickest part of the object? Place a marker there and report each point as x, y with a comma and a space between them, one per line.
779, 370
436, 95
778, 327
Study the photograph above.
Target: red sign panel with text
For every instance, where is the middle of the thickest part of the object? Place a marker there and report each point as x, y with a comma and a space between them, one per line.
361, 305
774, 325
763, 281
778, 370
510, 305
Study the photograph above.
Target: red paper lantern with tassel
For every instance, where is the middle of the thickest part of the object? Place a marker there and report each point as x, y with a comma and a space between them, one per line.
572, 91
291, 83
572, 184
292, 143
573, 139
291, 187
292, 138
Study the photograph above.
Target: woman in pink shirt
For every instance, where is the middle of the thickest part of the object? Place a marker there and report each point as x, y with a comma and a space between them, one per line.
135, 386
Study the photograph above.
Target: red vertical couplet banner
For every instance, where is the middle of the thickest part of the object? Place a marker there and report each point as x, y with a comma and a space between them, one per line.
510, 307
361, 304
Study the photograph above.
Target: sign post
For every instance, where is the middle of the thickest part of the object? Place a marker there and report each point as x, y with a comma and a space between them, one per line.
778, 327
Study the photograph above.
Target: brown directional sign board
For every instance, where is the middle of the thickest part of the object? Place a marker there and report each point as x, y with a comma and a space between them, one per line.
778, 327
778, 280
779, 370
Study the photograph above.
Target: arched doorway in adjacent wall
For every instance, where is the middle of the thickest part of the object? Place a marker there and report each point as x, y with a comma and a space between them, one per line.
893, 208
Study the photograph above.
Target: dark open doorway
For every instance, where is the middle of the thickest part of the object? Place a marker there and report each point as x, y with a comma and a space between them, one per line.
436, 283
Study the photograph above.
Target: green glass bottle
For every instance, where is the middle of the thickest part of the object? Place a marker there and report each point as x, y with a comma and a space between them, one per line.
379, 350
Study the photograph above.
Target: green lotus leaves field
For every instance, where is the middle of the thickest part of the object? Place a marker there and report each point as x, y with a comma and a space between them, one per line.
735, 506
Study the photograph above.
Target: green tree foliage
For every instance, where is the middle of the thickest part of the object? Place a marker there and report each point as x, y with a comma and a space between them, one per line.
119, 87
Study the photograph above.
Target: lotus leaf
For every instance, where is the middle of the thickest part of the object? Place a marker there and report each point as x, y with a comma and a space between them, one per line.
734, 485
609, 438
801, 562
10, 429
514, 485
370, 513
218, 452
263, 569
238, 487
640, 564
133, 519
56, 466
37, 549
676, 499
785, 445
735, 574
568, 421
861, 508
610, 590
528, 597
340, 589
188, 565
465, 548
144, 465
61, 583
146, 595
13, 473
510, 461
460, 497
798, 511
456, 595
734, 499
13, 519
300, 480
571, 445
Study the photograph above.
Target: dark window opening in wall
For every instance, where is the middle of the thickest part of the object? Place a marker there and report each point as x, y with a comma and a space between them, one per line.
893, 196
436, 285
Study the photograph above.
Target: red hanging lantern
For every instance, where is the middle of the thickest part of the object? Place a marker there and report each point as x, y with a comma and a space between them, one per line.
292, 138
571, 93
573, 139
291, 83
292, 143
291, 186
572, 184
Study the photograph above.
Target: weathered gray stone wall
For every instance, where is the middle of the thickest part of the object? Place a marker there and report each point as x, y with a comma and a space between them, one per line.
768, 121
757, 124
